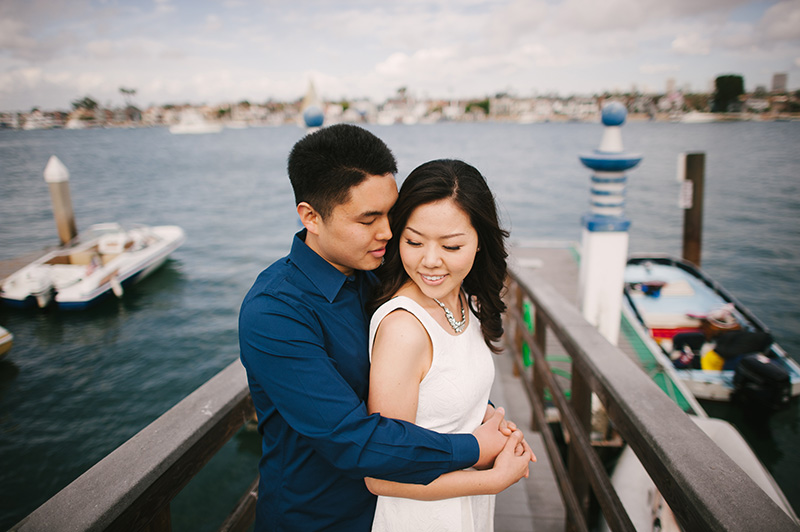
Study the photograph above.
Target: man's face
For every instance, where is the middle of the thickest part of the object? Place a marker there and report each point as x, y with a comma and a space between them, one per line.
355, 234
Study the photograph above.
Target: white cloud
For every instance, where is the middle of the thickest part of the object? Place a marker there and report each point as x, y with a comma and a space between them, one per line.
355, 48
100, 49
164, 7
658, 68
14, 35
516, 21
213, 23
691, 44
781, 22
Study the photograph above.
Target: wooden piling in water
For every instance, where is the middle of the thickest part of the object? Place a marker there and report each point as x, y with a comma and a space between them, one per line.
693, 214
57, 177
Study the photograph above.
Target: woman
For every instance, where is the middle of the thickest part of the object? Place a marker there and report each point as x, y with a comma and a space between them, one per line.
432, 337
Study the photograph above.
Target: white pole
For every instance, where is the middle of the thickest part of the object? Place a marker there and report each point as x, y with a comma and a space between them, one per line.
604, 248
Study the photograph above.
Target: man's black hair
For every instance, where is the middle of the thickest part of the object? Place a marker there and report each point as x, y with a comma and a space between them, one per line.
323, 166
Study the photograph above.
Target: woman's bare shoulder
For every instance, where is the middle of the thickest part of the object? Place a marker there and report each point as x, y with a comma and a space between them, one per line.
401, 324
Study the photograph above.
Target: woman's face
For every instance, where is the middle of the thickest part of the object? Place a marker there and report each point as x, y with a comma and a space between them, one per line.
437, 248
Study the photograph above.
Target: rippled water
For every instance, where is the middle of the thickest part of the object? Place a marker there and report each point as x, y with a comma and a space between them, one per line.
76, 385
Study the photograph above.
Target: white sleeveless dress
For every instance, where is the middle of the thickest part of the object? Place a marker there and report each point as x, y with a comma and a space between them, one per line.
452, 399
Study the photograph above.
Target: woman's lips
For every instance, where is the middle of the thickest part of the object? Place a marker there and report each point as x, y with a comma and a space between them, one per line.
432, 280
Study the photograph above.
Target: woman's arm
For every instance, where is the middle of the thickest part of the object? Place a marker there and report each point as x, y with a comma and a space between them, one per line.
402, 354
510, 466
401, 357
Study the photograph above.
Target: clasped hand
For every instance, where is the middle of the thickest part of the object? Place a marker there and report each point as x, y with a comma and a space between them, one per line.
503, 447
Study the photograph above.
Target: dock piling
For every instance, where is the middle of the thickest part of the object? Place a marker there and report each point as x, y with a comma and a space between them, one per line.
694, 176
57, 177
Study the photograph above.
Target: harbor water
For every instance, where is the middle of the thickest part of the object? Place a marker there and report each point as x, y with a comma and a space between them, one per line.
76, 385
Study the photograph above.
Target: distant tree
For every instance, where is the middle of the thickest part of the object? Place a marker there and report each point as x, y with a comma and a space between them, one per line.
727, 91
128, 95
85, 103
695, 102
482, 105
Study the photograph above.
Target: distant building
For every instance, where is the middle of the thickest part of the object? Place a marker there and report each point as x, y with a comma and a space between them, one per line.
779, 82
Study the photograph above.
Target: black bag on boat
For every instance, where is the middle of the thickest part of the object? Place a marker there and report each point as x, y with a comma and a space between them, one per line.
694, 340
689, 359
737, 343
763, 381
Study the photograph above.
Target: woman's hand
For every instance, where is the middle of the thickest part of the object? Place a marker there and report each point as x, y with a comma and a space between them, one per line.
512, 463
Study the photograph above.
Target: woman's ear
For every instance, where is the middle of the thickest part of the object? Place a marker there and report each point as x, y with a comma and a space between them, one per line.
309, 217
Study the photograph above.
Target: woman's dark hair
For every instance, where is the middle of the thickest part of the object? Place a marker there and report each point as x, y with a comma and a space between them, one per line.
439, 180
323, 166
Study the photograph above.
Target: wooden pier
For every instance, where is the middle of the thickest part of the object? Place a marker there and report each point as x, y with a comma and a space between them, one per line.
706, 489
535, 504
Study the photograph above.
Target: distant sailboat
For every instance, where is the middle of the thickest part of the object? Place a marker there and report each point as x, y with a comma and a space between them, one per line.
311, 109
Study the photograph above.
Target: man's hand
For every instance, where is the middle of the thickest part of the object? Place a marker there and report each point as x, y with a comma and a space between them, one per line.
490, 439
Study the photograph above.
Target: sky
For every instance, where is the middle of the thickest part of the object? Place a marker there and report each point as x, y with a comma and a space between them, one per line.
54, 52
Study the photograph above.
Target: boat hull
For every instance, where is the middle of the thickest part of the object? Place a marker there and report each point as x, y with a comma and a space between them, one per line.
6, 341
686, 295
81, 276
645, 505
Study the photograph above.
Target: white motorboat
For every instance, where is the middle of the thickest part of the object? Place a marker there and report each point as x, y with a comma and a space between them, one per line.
104, 260
193, 123
697, 117
6, 341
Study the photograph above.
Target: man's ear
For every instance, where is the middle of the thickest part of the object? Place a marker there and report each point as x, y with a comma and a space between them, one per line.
309, 217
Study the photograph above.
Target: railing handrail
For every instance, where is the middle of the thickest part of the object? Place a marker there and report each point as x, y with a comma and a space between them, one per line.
131, 488
676, 453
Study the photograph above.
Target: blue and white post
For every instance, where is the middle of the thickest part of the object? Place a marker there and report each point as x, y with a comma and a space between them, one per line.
605, 228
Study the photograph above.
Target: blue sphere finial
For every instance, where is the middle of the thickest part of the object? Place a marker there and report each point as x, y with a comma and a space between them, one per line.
614, 114
313, 116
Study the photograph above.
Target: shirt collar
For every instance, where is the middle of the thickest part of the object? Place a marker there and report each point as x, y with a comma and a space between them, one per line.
321, 273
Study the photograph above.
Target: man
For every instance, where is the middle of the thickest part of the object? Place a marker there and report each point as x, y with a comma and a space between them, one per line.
303, 336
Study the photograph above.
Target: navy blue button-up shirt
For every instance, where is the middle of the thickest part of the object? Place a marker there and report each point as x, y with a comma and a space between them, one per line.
303, 334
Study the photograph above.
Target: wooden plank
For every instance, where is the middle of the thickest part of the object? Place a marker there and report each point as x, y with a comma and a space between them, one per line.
127, 488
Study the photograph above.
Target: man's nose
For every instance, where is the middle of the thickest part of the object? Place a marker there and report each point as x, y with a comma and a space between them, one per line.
384, 229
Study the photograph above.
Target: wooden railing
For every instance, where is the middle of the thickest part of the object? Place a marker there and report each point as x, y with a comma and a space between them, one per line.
706, 490
132, 488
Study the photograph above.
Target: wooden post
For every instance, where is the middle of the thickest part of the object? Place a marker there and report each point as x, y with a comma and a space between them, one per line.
518, 340
57, 177
540, 337
581, 403
693, 213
